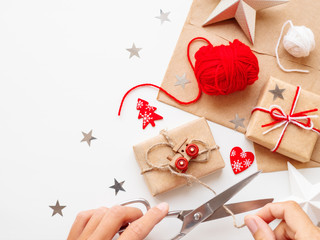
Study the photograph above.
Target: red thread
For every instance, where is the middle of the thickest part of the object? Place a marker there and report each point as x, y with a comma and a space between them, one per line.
279, 116
222, 70
219, 70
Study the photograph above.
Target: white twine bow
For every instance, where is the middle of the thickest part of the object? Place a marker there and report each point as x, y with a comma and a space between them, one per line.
281, 118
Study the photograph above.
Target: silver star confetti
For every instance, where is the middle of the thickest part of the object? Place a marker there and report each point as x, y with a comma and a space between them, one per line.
238, 122
134, 51
163, 16
57, 209
117, 186
277, 92
181, 80
87, 137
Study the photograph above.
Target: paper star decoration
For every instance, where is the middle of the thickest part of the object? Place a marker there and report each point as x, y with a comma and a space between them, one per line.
117, 186
182, 81
147, 113
87, 137
57, 209
238, 122
134, 51
277, 92
163, 16
304, 193
244, 11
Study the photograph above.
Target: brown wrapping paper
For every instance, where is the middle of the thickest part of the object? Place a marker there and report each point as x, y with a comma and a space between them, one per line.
222, 109
163, 181
297, 143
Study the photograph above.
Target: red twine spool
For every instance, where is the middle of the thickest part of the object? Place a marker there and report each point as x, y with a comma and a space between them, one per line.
219, 70
222, 70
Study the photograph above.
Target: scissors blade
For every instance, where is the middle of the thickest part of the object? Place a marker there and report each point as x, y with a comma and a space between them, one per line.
236, 208
201, 213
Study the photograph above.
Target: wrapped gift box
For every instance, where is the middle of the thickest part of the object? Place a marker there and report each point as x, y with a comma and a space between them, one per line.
161, 181
297, 143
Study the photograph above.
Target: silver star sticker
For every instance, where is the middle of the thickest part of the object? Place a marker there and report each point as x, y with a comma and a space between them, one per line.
277, 92
57, 209
87, 137
117, 186
181, 80
163, 16
238, 122
134, 51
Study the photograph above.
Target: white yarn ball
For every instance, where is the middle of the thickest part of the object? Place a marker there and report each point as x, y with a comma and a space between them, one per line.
299, 41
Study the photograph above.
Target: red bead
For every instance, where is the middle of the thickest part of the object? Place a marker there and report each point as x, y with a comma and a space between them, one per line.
182, 164
192, 150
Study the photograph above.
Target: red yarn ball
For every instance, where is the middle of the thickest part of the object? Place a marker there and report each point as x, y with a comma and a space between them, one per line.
222, 70
219, 70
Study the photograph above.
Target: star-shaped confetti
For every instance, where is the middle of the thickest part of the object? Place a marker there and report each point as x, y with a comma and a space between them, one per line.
117, 186
57, 209
134, 51
182, 81
163, 16
277, 92
244, 11
238, 122
87, 137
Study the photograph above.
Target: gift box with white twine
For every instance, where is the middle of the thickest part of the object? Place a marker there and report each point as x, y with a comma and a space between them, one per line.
286, 120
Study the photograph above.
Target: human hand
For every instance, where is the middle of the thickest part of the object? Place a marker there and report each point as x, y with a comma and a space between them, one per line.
295, 223
104, 223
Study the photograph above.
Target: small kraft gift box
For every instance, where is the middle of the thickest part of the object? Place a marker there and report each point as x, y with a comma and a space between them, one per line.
175, 157
286, 120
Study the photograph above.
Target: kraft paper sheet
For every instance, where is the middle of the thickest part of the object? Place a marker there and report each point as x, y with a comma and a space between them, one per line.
222, 109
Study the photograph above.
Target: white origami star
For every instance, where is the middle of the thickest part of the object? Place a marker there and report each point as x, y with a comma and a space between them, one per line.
304, 193
244, 11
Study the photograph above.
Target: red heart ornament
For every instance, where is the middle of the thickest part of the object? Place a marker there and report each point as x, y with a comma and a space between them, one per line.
240, 160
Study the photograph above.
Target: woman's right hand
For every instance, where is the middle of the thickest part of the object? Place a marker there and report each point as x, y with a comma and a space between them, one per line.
295, 223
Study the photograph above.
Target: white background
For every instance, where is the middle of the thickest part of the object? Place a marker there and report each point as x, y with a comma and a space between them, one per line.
63, 70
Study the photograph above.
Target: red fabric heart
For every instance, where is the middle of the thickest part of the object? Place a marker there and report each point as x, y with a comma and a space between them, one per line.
240, 160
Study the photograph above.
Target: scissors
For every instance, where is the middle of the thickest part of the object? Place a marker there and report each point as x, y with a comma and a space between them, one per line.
212, 209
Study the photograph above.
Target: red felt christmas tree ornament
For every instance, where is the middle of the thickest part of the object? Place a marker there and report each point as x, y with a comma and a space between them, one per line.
219, 70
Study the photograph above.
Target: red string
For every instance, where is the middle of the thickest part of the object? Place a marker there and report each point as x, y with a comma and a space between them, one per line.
219, 70
188, 50
161, 89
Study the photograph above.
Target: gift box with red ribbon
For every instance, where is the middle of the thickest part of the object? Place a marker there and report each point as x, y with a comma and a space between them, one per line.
286, 120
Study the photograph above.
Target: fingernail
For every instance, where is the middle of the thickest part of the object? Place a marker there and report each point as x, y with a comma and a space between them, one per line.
163, 206
252, 225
